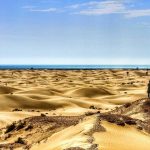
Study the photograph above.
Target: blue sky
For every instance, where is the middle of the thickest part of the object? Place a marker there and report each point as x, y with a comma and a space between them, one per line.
74, 31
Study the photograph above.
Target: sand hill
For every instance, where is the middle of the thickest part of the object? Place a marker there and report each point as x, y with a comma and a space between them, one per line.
73, 110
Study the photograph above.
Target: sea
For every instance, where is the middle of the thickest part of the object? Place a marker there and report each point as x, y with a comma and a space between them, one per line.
73, 67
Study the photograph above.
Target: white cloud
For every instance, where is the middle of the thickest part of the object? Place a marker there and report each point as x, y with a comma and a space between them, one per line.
36, 9
28, 7
110, 7
138, 13
105, 7
92, 3
43, 10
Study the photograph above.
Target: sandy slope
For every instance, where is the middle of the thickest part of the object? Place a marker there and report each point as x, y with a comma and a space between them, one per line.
74, 136
71, 93
122, 138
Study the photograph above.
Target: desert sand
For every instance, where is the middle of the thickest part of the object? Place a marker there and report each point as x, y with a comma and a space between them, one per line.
74, 110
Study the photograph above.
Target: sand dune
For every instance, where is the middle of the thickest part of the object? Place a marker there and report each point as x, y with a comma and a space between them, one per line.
7, 90
122, 138
70, 137
9, 117
88, 93
10, 102
42, 91
88, 132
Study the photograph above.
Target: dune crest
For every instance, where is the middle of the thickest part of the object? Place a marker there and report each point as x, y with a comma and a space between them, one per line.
90, 92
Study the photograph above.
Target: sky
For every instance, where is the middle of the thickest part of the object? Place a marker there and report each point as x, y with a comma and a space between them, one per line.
74, 31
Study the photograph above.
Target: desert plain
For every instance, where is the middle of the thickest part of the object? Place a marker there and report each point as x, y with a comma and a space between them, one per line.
74, 109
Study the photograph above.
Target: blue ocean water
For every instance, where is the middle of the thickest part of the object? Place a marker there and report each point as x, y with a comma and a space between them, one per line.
67, 67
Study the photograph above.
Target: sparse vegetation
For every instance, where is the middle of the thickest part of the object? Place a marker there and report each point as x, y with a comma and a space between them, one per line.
89, 113
121, 123
43, 115
20, 125
139, 128
16, 109
130, 122
20, 141
127, 105
5, 136
75, 148
29, 127
147, 103
118, 119
10, 127
92, 107
146, 106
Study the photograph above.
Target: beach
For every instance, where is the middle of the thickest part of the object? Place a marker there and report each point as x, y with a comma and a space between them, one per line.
71, 109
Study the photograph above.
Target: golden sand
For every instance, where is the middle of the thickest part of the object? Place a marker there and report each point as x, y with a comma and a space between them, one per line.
72, 93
